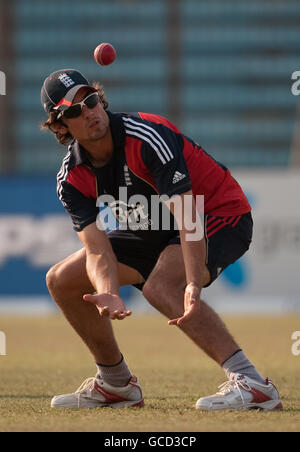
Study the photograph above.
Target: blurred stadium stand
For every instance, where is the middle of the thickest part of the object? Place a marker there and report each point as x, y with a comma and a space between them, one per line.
220, 69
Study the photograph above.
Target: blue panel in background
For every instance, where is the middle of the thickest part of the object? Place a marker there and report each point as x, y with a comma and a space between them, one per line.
18, 277
30, 198
35, 196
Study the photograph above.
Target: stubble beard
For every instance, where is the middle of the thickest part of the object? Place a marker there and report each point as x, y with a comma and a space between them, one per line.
98, 133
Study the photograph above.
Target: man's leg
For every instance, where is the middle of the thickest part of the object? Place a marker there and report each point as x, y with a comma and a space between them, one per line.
67, 282
114, 385
246, 388
164, 289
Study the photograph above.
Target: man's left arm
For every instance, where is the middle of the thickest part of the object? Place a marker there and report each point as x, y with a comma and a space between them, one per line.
193, 246
173, 180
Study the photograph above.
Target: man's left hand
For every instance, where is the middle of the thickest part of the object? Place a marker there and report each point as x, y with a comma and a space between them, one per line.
191, 305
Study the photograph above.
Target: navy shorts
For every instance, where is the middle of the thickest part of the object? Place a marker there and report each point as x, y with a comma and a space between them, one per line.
227, 239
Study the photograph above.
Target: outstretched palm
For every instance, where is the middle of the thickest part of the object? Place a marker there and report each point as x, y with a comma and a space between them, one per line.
191, 305
108, 305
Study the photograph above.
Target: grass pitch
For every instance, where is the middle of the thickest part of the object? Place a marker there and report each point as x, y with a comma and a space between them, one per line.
45, 358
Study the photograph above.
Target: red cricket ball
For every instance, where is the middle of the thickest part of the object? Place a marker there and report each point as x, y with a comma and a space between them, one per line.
105, 54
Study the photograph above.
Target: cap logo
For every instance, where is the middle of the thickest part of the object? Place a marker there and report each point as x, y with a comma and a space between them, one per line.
66, 80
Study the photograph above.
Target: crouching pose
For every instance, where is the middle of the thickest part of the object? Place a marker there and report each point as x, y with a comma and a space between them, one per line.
146, 157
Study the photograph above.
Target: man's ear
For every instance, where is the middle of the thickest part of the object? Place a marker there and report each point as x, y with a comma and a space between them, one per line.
59, 127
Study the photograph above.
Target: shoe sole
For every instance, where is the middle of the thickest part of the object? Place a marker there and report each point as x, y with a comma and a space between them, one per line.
266, 406
132, 404
140, 404
271, 405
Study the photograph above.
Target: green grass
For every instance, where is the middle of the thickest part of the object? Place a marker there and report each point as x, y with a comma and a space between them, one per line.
45, 357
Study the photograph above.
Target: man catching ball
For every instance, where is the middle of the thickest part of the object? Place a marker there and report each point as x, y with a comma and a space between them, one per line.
148, 157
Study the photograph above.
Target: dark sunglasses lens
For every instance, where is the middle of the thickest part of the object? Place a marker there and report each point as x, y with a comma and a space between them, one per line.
92, 101
72, 112
75, 110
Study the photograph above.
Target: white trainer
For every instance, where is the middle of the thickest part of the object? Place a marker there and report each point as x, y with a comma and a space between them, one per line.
242, 393
94, 392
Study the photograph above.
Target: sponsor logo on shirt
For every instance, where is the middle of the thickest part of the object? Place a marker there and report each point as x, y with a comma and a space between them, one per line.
178, 177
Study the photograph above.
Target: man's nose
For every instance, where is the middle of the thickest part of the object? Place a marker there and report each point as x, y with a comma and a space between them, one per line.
85, 111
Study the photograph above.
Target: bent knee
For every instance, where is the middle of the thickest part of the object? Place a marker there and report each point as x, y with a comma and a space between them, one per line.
61, 277
147, 291
158, 291
153, 295
152, 289
69, 274
53, 278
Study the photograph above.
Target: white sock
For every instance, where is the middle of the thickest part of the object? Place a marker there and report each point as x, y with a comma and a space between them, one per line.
238, 363
116, 375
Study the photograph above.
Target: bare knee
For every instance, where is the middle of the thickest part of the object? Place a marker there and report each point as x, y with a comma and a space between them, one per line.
54, 280
149, 291
164, 296
152, 295
153, 291
69, 275
62, 278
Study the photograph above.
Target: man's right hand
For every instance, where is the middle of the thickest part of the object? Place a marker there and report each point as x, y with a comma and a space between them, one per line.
108, 305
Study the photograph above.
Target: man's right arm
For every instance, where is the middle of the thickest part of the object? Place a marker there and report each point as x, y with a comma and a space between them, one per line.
101, 263
102, 270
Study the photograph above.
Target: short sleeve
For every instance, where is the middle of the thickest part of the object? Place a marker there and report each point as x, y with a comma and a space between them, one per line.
165, 160
82, 210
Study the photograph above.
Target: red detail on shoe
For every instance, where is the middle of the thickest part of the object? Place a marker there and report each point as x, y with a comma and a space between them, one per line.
270, 382
259, 397
140, 404
133, 382
109, 397
278, 407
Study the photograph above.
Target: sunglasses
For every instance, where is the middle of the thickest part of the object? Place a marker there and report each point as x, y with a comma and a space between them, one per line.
75, 110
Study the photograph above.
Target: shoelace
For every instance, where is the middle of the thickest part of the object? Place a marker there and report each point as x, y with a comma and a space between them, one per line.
234, 384
87, 385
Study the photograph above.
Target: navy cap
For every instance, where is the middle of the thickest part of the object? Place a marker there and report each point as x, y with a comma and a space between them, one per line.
60, 88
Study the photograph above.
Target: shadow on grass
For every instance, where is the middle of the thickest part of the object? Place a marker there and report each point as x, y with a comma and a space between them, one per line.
291, 410
25, 396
